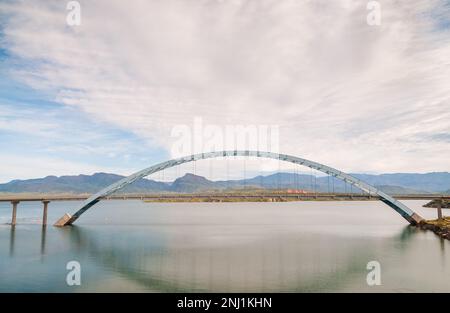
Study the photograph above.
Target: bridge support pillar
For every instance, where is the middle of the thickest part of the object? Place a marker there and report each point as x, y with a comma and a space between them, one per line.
14, 212
44, 215
439, 209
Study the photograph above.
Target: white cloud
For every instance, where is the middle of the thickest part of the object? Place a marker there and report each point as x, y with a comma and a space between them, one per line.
356, 97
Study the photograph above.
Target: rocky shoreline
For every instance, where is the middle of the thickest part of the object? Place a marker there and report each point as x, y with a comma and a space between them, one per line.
439, 227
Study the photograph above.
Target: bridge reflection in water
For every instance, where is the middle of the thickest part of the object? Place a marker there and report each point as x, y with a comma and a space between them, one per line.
263, 266
273, 265
278, 264
226, 247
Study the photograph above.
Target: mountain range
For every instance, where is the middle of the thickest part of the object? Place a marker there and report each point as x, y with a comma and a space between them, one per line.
401, 183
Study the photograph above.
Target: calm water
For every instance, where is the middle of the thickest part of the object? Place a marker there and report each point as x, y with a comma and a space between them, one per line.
277, 247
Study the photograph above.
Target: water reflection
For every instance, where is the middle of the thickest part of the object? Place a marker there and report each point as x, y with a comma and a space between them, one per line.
12, 238
43, 236
280, 264
232, 248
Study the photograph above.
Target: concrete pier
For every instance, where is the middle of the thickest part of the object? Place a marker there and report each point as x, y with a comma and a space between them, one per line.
14, 212
439, 209
44, 216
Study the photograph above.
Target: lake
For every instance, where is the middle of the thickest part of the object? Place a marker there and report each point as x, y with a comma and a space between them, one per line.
310, 246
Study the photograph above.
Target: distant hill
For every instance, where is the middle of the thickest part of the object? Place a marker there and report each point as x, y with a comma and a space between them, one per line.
390, 183
397, 190
431, 182
320, 184
78, 184
191, 183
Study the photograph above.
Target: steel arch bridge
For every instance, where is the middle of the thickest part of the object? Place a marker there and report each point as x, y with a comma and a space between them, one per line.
408, 214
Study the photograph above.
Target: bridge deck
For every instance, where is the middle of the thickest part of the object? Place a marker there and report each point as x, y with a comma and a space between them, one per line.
356, 196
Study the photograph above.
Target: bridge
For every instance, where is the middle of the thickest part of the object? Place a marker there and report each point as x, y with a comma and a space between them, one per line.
408, 214
265, 196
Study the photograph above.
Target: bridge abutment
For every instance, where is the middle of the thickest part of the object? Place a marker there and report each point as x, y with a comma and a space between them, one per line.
415, 219
63, 221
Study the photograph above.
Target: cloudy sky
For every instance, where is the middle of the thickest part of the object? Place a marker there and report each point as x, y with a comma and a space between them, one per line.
107, 95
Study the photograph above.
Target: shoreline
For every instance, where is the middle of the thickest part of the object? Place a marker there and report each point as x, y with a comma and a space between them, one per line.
439, 227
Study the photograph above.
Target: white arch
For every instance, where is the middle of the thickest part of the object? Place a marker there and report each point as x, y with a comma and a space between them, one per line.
399, 207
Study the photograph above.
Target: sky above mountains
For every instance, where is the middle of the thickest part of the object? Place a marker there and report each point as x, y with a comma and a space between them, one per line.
107, 94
